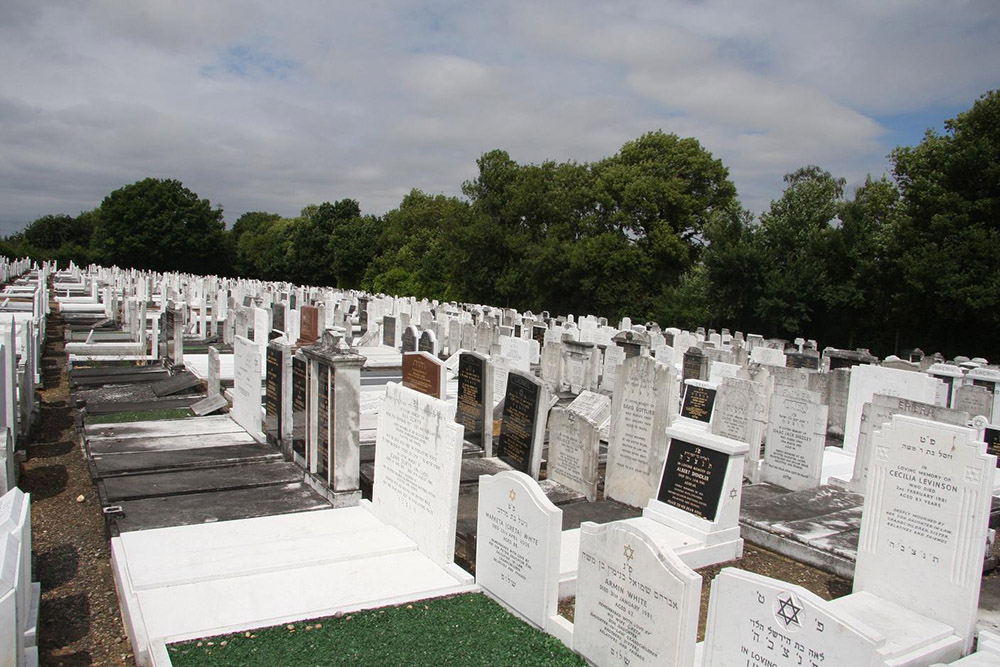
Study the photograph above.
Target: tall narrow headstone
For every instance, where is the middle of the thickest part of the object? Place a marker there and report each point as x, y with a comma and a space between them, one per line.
475, 400
247, 386
525, 410
643, 405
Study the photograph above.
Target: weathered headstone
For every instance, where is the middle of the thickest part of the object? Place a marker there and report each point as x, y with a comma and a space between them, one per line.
868, 380
642, 407
974, 399
796, 435
417, 467
574, 448
409, 338
636, 603
741, 414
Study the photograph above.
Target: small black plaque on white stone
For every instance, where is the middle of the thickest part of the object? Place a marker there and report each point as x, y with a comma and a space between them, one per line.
698, 403
693, 477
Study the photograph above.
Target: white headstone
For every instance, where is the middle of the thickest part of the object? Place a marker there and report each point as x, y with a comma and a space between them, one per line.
756, 620
923, 530
418, 461
768, 356
214, 381
644, 403
796, 436
636, 602
517, 545
247, 385
868, 380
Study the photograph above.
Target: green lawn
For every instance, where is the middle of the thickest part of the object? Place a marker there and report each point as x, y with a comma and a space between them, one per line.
462, 630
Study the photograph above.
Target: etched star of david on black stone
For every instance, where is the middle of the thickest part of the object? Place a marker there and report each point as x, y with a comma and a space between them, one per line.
788, 611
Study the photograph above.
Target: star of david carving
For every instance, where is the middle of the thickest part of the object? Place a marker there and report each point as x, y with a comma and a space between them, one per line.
882, 453
732, 494
788, 611
512, 495
629, 552
972, 475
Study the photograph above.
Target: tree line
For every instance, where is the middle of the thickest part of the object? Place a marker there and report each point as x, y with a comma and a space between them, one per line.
654, 232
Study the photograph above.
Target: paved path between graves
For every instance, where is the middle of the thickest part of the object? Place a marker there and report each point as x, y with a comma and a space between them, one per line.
79, 620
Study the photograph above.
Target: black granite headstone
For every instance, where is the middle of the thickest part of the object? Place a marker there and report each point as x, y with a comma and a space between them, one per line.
470, 410
299, 406
692, 478
272, 395
538, 334
520, 410
992, 438
389, 331
323, 413
409, 339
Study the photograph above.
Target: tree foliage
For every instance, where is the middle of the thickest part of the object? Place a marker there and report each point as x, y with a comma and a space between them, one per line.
159, 224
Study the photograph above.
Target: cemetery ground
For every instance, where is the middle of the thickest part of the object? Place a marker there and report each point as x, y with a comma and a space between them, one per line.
80, 618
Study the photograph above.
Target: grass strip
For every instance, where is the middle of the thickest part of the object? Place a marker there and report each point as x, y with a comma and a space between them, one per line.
464, 630
141, 416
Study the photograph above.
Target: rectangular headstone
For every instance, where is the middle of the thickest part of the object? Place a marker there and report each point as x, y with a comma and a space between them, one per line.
636, 602
417, 467
299, 366
525, 409
475, 403
641, 409
796, 436
592, 406
424, 373
214, 383
699, 402
273, 376
868, 380
975, 400
246, 386
517, 545
574, 448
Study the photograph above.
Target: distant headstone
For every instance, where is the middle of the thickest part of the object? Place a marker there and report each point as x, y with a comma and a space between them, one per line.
273, 376
975, 400
389, 331
868, 380
428, 343
637, 602
595, 407
695, 365
574, 447
698, 403
308, 326
409, 339
299, 408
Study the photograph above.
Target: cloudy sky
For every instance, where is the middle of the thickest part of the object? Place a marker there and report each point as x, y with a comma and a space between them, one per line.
271, 106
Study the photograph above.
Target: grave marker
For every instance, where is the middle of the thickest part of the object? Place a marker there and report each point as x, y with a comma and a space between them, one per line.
475, 400
636, 603
424, 373
517, 545
525, 409
574, 448
796, 436
246, 387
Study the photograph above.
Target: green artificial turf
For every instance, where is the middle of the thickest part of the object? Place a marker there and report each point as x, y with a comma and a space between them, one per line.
462, 630
141, 416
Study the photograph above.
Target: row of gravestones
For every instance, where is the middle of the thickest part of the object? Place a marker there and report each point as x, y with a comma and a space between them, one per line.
637, 602
19, 596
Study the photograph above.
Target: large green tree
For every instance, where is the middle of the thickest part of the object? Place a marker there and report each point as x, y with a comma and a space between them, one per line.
159, 224
947, 242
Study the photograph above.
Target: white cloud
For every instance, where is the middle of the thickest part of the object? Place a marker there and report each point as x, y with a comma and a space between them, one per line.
265, 107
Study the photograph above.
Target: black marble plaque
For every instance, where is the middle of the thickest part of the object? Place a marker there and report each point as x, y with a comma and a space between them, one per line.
299, 406
470, 411
692, 478
520, 410
272, 395
698, 403
323, 412
693, 361
801, 360
517, 331
278, 316
992, 438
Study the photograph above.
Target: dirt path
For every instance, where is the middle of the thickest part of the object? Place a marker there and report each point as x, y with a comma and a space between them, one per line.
79, 620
